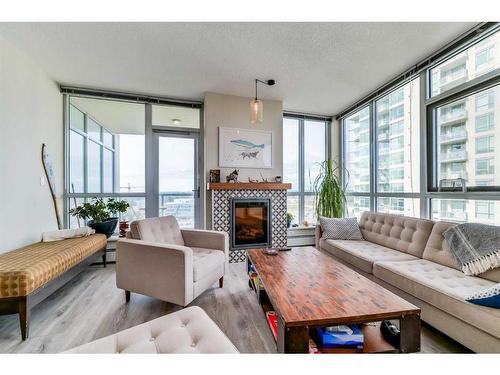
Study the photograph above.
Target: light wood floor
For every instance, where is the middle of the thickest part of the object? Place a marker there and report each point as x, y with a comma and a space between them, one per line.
90, 307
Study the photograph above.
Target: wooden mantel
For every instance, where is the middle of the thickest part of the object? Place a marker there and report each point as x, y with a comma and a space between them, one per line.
248, 186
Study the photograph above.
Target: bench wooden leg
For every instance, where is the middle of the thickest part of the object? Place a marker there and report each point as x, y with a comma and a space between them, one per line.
221, 282
127, 296
24, 310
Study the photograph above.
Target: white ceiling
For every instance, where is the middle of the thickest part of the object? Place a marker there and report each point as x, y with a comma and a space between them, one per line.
319, 67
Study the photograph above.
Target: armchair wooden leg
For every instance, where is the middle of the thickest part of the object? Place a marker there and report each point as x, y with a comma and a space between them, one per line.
104, 260
127, 296
221, 282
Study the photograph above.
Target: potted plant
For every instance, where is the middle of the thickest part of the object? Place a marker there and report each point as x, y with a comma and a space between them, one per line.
119, 207
99, 215
330, 194
289, 219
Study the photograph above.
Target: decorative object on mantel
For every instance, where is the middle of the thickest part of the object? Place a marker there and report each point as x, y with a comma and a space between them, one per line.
256, 106
48, 167
214, 175
244, 148
263, 179
278, 179
233, 176
252, 181
330, 194
249, 186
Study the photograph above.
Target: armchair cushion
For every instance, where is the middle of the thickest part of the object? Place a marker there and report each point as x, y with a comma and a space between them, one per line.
205, 261
163, 229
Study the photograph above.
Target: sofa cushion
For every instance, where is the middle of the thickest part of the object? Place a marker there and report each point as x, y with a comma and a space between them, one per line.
438, 251
186, 331
157, 229
362, 254
340, 229
406, 234
205, 261
443, 287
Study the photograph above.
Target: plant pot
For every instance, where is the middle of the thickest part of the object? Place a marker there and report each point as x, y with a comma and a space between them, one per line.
106, 227
288, 223
123, 228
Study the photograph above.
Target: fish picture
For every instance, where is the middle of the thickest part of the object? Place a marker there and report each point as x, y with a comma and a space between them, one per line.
245, 148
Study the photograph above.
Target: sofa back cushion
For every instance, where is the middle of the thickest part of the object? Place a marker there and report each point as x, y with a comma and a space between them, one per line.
438, 251
163, 229
406, 234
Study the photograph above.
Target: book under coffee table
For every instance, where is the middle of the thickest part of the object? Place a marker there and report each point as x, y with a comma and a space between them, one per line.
309, 289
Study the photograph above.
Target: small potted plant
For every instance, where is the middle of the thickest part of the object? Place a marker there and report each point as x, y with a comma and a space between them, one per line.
99, 214
119, 207
289, 219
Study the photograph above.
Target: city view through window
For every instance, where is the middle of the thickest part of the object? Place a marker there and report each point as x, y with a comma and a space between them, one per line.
107, 155
466, 138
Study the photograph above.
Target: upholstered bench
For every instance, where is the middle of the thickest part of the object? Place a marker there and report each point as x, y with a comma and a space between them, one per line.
30, 274
186, 331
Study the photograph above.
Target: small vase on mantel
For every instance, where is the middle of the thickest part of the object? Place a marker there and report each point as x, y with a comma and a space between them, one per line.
123, 228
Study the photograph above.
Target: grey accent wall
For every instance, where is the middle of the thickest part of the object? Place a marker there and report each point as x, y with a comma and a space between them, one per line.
234, 112
31, 113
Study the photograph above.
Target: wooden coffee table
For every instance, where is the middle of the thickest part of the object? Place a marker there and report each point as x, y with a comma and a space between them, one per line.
309, 289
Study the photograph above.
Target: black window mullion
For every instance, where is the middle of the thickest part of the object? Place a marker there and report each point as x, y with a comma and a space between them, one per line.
301, 171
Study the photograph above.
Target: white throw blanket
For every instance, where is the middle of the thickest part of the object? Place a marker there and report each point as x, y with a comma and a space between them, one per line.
57, 235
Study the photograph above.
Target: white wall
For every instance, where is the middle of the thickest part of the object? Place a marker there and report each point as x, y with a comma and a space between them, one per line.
31, 113
234, 112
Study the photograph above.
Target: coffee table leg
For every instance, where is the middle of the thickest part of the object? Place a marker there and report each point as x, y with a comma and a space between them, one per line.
409, 326
292, 339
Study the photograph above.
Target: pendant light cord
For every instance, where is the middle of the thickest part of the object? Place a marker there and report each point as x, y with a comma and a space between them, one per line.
256, 89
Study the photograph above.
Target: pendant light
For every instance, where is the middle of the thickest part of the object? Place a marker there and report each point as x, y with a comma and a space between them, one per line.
256, 107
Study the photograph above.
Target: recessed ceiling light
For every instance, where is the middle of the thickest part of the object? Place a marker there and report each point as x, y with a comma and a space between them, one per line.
176, 121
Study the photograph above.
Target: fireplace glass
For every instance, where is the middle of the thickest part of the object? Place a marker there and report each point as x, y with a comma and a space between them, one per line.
250, 223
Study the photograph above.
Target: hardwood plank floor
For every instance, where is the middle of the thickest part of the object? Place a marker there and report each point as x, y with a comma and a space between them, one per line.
90, 306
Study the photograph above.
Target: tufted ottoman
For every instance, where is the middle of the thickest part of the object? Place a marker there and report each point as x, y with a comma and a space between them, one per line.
186, 331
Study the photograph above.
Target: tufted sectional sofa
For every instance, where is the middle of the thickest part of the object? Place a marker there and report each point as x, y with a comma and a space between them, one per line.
410, 257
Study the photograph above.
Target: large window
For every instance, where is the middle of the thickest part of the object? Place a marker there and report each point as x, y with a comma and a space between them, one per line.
466, 139
106, 153
357, 151
416, 165
304, 149
396, 131
471, 63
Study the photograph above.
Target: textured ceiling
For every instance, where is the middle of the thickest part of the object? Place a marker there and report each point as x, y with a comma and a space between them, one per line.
319, 67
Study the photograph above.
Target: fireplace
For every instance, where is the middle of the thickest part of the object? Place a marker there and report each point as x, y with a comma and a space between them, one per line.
250, 222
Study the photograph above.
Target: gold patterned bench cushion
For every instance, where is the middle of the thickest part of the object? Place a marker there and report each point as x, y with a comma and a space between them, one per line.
24, 270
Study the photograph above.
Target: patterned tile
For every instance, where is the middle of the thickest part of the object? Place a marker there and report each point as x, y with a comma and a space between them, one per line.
220, 201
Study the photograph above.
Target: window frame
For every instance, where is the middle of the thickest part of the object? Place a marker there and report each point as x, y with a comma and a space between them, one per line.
301, 193
87, 140
423, 70
148, 195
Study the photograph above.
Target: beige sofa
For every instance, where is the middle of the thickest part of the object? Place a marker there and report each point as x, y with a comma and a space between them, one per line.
186, 331
410, 257
160, 260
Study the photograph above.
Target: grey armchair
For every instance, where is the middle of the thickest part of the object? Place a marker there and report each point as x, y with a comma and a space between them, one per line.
160, 260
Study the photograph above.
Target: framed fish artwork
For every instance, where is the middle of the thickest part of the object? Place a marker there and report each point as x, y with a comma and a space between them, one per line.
245, 148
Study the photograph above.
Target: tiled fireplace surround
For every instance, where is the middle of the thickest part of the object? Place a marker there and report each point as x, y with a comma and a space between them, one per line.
219, 201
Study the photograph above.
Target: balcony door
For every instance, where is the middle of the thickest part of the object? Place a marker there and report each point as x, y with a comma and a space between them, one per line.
176, 168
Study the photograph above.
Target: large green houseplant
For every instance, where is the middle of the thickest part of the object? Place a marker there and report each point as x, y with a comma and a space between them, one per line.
330, 194
100, 215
